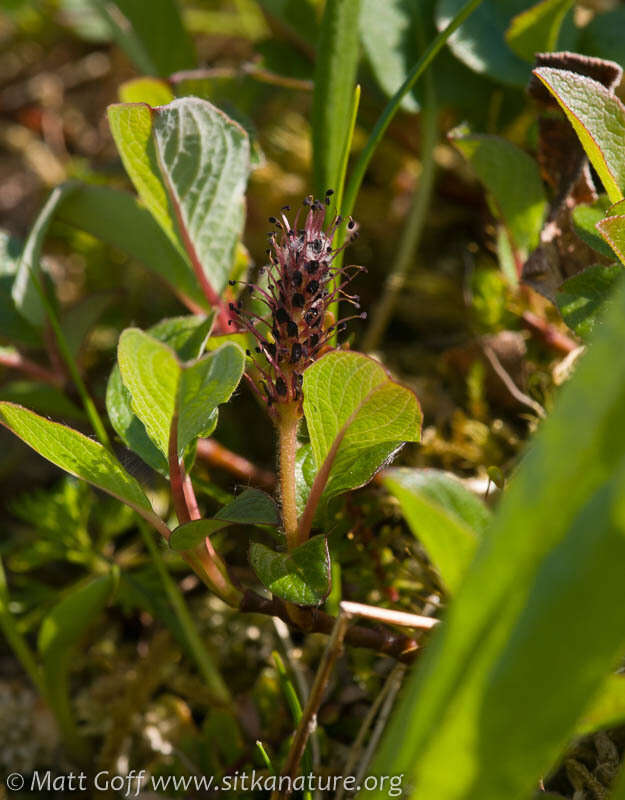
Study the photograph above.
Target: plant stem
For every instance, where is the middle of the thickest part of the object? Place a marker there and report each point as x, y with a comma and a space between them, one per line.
414, 224
393, 104
15, 360
307, 722
207, 668
216, 454
381, 640
287, 435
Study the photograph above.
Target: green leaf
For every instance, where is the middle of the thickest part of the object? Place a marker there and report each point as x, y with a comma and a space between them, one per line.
189, 163
394, 35
585, 219
357, 418
536, 29
446, 518
301, 576
193, 533
335, 79
613, 231
155, 38
598, 117
480, 42
163, 389
76, 454
59, 635
607, 709
516, 642
117, 219
187, 336
604, 35
152, 91
42, 398
69, 619
513, 181
25, 292
251, 507
389, 38
13, 327
582, 299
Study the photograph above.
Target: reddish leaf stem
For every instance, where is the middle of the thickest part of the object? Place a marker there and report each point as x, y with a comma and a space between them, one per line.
216, 454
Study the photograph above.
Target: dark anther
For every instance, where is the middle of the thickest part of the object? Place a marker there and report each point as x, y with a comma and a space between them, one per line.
271, 349
258, 349
296, 352
317, 245
297, 278
341, 326
311, 315
248, 352
312, 287
298, 300
312, 266
329, 192
273, 221
313, 341
299, 379
280, 387
351, 225
285, 208
282, 316
232, 283
291, 328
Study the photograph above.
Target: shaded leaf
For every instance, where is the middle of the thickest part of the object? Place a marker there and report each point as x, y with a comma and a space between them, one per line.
480, 41
585, 219
604, 35
301, 576
117, 219
536, 29
155, 38
251, 507
25, 292
193, 533
446, 518
13, 326
79, 319
42, 398
513, 181
357, 418
598, 117
582, 299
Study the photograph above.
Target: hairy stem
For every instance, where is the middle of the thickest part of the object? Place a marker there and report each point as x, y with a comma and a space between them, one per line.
287, 434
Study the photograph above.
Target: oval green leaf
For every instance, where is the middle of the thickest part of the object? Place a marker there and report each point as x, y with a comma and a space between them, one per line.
444, 516
357, 418
193, 533
251, 507
301, 576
